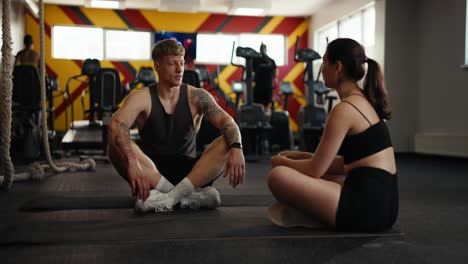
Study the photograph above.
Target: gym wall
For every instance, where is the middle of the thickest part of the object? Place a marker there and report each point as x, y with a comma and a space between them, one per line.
17, 25
429, 89
155, 21
421, 58
442, 88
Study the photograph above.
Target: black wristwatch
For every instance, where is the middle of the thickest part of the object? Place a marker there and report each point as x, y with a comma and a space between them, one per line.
236, 145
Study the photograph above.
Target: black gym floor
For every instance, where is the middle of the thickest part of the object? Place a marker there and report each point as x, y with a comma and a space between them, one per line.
87, 217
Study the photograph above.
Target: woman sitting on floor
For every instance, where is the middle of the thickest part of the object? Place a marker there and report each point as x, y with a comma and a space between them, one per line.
357, 190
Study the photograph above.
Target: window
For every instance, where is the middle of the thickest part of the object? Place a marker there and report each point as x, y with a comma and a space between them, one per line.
275, 44
359, 25
69, 43
217, 48
351, 27
127, 45
368, 30
324, 36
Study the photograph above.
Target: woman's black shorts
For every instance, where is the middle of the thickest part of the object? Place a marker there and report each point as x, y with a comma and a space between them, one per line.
369, 201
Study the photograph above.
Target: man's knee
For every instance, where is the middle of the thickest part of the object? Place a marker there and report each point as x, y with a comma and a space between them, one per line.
219, 145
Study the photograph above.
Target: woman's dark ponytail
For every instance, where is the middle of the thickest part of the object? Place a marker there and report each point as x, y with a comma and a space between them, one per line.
352, 56
375, 90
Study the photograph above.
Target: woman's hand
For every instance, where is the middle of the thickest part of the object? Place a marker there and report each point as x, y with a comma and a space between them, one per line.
296, 155
279, 160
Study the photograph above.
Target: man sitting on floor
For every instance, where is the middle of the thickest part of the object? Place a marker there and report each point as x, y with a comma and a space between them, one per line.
168, 116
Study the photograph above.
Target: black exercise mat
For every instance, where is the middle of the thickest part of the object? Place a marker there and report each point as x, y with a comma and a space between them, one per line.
111, 226
271, 251
67, 201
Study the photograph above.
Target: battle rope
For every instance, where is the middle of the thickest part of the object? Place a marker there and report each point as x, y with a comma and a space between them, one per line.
36, 170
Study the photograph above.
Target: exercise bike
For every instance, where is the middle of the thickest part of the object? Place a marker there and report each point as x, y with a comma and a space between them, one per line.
281, 137
250, 117
312, 116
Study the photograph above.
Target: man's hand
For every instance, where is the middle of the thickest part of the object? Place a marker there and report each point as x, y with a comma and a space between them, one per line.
139, 180
235, 167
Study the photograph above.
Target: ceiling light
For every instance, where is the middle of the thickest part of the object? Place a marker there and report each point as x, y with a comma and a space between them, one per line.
249, 7
109, 4
179, 5
245, 11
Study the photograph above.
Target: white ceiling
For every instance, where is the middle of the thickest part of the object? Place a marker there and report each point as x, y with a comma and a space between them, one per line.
278, 7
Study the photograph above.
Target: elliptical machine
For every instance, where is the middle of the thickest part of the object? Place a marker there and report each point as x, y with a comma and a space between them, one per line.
251, 118
312, 117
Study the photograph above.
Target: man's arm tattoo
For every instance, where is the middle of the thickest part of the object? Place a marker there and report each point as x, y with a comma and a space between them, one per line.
212, 111
206, 104
231, 133
123, 140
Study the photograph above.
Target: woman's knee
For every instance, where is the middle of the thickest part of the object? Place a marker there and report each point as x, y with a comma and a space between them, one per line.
277, 177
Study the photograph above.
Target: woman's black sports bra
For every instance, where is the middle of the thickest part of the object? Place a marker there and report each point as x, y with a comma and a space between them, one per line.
372, 140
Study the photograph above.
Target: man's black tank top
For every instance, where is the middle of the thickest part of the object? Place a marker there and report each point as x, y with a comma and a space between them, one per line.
169, 135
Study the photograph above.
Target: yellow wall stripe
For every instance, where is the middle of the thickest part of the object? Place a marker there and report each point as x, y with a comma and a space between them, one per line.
293, 124
178, 22
223, 77
138, 64
271, 25
299, 31
298, 95
104, 18
54, 15
291, 76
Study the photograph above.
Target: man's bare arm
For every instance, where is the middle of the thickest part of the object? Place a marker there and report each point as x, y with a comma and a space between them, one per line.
123, 152
216, 115
121, 149
122, 140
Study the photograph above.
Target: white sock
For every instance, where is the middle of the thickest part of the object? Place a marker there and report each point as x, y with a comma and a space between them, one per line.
164, 185
182, 189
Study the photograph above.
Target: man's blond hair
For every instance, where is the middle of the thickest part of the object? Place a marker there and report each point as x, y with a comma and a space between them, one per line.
167, 47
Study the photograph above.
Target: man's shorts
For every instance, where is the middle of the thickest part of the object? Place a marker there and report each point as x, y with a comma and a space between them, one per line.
175, 169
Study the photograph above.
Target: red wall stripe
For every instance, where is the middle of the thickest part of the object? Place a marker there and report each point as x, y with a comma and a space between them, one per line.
288, 25
243, 24
50, 72
137, 19
128, 76
212, 23
75, 94
72, 15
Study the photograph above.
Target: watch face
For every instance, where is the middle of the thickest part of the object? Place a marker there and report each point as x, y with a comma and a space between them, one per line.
236, 145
